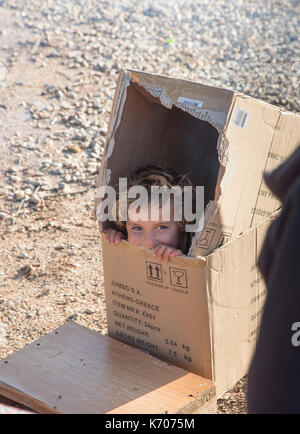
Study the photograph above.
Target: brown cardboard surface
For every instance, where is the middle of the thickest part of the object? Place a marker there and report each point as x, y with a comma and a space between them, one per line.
75, 370
172, 89
225, 141
237, 294
268, 138
150, 304
204, 318
150, 126
150, 133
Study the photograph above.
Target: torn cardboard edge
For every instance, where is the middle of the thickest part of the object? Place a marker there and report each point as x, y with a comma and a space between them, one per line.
220, 120
214, 117
211, 311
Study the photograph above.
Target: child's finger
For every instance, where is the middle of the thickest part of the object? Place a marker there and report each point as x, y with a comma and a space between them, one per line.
110, 235
156, 248
107, 234
113, 236
167, 253
159, 251
118, 237
176, 252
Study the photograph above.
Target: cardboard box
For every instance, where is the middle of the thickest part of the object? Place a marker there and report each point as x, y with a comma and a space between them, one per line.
201, 313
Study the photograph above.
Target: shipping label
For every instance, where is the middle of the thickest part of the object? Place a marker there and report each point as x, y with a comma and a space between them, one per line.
138, 321
240, 118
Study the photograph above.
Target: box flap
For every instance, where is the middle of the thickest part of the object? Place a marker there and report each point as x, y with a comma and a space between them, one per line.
237, 294
260, 136
204, 102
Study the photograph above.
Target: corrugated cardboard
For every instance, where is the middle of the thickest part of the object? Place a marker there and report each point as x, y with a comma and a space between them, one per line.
225, 143
201, 312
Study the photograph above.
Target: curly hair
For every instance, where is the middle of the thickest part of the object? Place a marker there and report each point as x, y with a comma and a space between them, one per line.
151, 176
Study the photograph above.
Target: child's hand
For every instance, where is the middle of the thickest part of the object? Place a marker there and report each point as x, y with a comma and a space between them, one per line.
113, 236
163, 251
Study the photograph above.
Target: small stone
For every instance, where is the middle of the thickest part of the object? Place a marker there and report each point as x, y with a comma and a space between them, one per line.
15, 178
74, 148
89, 311
11, 170
26, 271
19, 195
62, 186
28, 191
10, 197
42, 311
34, 200
22, 256
59, 248
73, 317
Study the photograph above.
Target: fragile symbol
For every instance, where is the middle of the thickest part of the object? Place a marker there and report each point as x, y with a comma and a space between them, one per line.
154, 271
178, 277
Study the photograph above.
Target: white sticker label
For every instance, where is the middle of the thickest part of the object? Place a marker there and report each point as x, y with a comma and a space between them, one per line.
240, 117
190, 102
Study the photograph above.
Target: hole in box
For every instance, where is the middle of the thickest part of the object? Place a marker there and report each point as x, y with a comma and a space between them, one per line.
150, 133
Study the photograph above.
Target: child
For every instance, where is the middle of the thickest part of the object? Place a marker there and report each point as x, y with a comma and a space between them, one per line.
165, 238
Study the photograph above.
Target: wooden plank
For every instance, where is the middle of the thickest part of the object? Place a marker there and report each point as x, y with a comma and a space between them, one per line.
77, 370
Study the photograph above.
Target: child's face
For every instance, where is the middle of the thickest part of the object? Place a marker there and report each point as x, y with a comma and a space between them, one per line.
149, 234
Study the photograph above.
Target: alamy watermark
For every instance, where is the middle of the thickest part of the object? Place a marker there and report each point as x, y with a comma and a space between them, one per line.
296, 336
166, 203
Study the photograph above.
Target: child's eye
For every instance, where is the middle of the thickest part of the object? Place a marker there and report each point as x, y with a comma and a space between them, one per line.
162, 227
136, 228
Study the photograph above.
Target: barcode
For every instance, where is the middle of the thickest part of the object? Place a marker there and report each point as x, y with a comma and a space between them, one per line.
240, 117
190, 102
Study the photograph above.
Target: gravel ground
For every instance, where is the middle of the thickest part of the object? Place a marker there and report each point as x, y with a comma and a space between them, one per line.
59, 62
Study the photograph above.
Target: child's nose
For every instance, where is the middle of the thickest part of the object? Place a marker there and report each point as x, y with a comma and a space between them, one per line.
149, 242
